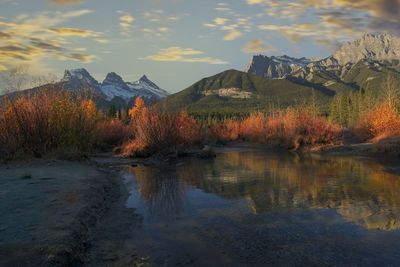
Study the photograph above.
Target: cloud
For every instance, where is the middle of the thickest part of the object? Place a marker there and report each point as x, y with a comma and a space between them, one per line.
49, 41
65, 2
232, 24
4, 35
297, 32
387, 9
126, 24
179, 54
333, 20
85, 58
76, 32
220, 21
257, 46
232, 35
161, 31
154, 15
159, 16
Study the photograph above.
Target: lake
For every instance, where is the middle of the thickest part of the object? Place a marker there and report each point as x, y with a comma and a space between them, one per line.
255, 208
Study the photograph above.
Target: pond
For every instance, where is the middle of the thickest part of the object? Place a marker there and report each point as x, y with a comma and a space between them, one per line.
257, 208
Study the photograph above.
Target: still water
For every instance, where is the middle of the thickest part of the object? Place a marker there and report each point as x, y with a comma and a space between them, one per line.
253, 208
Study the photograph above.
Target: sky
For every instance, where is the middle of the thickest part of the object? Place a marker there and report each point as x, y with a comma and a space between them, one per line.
178, 42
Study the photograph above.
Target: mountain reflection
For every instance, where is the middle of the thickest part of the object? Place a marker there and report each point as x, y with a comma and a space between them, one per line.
360, 191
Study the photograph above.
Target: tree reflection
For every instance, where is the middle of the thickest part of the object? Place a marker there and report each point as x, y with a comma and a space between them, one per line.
359, 190
162, 191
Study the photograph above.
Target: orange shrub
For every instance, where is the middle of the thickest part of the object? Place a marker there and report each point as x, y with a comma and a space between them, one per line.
157, 132
189, 130
39, 123
228, 130
253, 128
292, 128
112, 132
381, 122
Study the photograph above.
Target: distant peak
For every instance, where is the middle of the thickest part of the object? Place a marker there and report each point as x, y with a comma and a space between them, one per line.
112, 76
77, 72
113, 79
371, 46
144, 78
80, 75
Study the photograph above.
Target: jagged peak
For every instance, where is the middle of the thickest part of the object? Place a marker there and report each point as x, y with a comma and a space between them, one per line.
80, 75
113, 78
81, 72
374, 46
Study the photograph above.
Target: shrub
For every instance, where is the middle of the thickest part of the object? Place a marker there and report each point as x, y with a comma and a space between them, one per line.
381, 122
112, 132
46, 121
189, 130
229, 130
156, 132
291, 128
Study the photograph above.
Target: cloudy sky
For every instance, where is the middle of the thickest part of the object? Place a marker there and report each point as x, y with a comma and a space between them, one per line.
177, 42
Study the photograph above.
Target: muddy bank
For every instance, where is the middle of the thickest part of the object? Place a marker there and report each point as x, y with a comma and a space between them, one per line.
47, 209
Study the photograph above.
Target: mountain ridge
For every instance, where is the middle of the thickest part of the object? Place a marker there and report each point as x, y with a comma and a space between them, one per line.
114, 86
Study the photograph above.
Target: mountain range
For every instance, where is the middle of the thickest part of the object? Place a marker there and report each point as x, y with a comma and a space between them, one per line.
113, 86
266, 82
283, 80
113, 91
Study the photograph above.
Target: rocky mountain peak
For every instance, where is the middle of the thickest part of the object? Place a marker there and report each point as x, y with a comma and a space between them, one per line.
147, 81
380, 46
79, 78
113, 85
274, 66
114, 79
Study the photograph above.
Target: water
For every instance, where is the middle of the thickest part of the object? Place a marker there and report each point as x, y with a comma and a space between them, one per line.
254, 208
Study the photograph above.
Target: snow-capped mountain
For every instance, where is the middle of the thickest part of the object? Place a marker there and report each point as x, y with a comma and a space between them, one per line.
79, 78
113, 86
275, 67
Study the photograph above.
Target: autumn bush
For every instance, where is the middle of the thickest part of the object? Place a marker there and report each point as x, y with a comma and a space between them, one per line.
381, 122
292, 128
43, 122
228, 130
112, 132
153, 131
302, 127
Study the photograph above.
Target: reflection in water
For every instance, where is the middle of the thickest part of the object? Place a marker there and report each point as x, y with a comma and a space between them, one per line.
360, 191
161, 190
